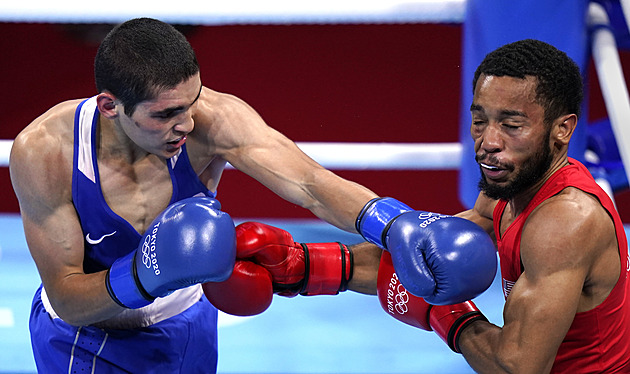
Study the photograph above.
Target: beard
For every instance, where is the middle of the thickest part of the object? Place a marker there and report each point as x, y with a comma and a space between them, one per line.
532, 171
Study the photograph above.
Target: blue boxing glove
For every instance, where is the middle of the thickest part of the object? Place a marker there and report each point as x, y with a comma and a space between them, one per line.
190, 242
441, 258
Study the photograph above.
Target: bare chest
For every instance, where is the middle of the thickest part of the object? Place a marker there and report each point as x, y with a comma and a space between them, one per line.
136, 192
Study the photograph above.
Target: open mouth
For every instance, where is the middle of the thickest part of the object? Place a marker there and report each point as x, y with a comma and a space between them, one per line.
492, 172
489, 167
177, 142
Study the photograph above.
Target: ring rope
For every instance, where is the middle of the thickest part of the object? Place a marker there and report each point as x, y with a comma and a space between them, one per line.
359, 156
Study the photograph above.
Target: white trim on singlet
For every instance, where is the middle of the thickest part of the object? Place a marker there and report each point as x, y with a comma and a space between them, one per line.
162, 308
86, 119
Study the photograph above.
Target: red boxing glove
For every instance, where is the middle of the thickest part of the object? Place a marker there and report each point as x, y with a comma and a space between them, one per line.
295, 268
448, 321
247, 292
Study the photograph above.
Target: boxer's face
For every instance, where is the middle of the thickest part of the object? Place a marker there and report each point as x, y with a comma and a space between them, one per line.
512, 143
160, 126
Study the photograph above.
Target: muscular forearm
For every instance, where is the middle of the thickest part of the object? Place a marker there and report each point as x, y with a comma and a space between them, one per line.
366, 261
336, 200
486, 352
82, 299
479, 344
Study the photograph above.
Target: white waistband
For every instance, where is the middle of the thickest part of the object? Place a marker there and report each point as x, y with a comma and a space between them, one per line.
162, 308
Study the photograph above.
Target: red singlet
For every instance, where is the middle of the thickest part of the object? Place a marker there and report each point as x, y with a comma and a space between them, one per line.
598, 340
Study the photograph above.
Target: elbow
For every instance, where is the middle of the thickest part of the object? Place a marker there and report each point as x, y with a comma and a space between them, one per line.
74, 322
517, 361
58, 309
508, 360
66, 316
75, 318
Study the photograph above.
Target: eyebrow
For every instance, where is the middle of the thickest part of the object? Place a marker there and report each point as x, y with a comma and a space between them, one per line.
503, 113
179, 107
513, 113
475, 107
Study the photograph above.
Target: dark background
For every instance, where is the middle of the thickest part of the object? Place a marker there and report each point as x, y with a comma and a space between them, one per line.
347, 83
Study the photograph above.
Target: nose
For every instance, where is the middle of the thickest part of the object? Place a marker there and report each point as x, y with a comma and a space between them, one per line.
185, 123
490, 139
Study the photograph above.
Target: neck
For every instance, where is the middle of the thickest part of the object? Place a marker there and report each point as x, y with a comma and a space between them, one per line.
113, 142
519, 202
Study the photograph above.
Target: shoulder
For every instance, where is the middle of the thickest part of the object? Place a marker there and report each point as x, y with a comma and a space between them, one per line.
226, 121
485, 206
482, 213
214, 105
567, 230
572, 208
41, 155
57, 121
50, 132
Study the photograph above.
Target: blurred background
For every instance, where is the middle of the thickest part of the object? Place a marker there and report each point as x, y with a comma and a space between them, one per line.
375, 72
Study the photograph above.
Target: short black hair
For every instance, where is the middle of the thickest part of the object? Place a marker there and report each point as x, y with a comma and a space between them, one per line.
559, 90
140, 57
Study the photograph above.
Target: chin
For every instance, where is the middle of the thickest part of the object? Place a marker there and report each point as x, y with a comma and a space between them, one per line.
497, 191
170, 150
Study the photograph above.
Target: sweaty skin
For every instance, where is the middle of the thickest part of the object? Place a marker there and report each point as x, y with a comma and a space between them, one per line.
131, 152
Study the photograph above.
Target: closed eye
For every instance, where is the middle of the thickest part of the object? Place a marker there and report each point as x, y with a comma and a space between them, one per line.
167, 114
510, 127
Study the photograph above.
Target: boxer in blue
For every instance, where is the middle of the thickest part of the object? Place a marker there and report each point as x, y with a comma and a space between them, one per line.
105, 187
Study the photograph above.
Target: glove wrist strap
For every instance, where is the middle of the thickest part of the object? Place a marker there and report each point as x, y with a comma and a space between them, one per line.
123, 286
375, 217
328, 268
448, 321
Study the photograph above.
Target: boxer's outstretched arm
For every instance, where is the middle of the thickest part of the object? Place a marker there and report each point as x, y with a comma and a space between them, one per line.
366, 262
248, 144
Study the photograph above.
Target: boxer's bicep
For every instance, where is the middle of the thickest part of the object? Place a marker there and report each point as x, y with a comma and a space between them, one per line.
537, 316
543, 302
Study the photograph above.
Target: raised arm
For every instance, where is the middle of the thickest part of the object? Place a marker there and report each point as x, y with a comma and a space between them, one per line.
367, 258
561, 245
42, 178
240, 136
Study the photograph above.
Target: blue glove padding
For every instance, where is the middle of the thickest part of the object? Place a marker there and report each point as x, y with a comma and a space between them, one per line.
190, 242
375, 217
443, 259
211, 202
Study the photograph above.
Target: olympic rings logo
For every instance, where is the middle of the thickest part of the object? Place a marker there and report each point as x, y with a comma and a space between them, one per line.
149, 258
401, 298
425, 215
428, 218
146, 250
397, 296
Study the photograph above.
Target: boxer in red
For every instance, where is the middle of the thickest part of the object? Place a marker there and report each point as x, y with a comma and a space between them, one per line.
561, 243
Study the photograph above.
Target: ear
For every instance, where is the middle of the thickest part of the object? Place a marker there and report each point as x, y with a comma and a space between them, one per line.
563, 129
106, 103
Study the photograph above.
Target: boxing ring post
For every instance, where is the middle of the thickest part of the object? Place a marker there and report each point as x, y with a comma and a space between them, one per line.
625, 8
559, 23
611, 79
